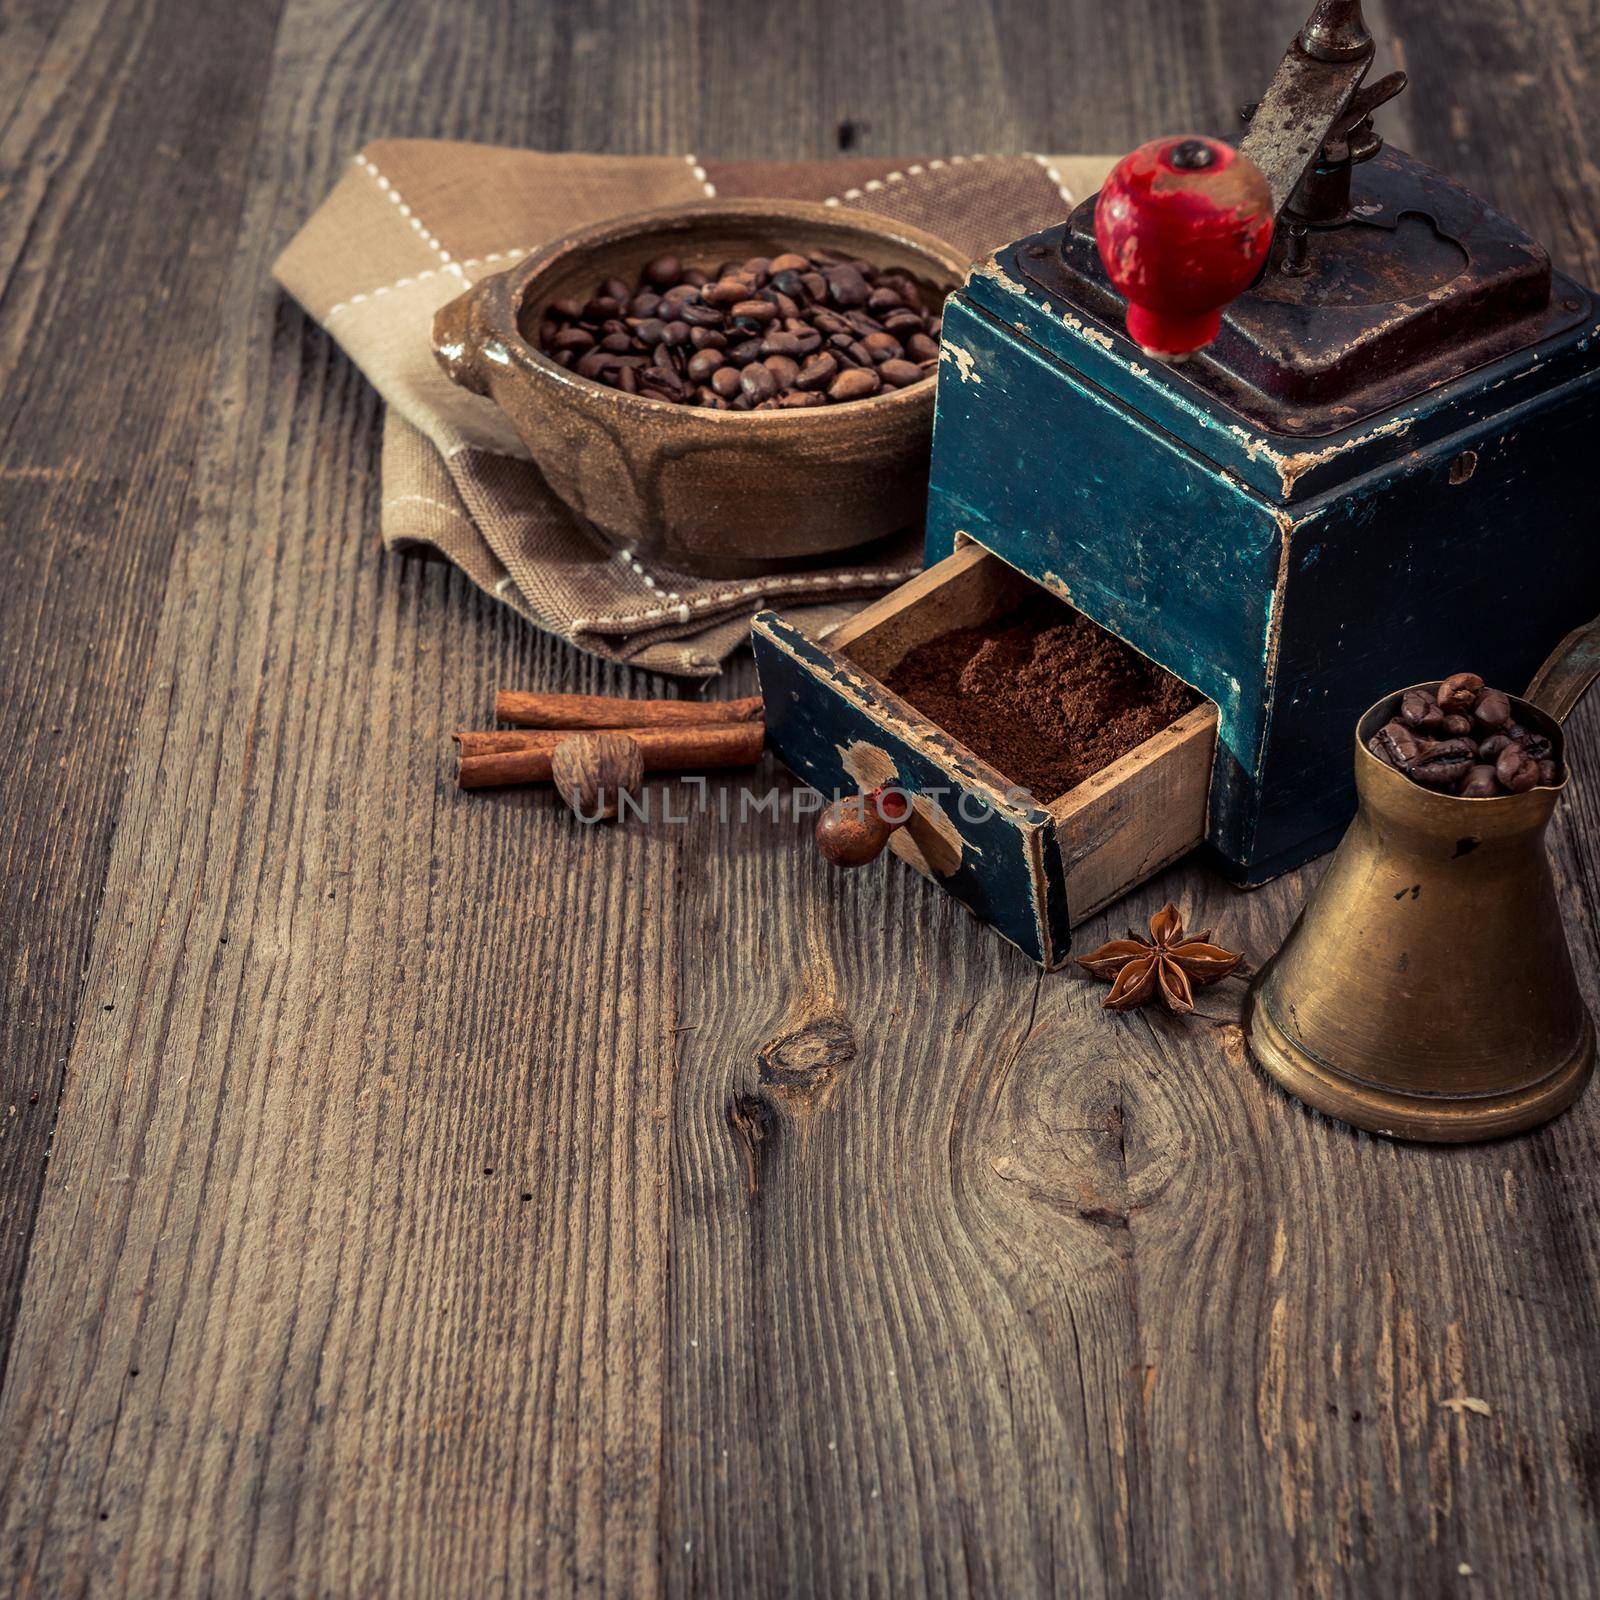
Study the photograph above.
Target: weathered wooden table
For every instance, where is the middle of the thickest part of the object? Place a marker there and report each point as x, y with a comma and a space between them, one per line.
413, 1194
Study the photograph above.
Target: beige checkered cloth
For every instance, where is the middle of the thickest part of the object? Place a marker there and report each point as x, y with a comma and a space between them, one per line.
414, 221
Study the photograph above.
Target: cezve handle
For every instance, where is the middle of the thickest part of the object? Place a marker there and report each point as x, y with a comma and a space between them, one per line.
1568, 671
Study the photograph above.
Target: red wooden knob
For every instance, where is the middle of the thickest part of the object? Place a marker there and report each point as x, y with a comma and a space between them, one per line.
1183, 225
853, 831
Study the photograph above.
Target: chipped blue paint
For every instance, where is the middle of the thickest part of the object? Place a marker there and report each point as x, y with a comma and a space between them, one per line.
1291, 581
817, 706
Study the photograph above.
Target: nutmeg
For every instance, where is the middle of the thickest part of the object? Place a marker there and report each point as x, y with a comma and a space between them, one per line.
592, 771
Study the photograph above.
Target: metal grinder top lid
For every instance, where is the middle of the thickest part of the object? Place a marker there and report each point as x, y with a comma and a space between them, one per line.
1385, 278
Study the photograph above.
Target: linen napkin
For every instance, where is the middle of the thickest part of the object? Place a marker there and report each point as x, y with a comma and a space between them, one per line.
413, 222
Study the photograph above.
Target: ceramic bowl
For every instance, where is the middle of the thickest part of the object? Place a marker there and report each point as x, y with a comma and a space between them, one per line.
722, 493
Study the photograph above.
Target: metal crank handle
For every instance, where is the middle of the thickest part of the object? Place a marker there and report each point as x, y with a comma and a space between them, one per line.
1568, 671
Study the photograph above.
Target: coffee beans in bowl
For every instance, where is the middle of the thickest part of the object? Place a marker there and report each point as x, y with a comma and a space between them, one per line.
740, 450
792, 331
1464, 738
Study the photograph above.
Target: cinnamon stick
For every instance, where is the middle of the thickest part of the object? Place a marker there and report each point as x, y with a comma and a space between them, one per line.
529, 710
708, 745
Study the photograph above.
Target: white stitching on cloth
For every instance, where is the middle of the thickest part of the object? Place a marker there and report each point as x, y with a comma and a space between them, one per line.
700, 174
427, 500
683, 610
368, 166
422, 277
916, 170
1053, 175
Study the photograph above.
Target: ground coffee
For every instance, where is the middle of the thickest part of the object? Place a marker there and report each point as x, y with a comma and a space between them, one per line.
1041, 694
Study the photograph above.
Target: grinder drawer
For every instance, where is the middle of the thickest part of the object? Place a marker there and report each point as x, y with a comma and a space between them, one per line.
1032, 868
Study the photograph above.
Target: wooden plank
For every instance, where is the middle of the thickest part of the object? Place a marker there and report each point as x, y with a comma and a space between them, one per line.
858, 1258
349, 1271
115, 142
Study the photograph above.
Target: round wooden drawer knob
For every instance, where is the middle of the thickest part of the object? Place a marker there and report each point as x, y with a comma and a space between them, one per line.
853, 831
1183, 225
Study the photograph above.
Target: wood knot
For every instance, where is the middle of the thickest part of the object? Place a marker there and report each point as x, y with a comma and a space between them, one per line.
804, 1064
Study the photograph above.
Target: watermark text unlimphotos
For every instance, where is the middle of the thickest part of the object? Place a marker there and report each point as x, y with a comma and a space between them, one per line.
692, 797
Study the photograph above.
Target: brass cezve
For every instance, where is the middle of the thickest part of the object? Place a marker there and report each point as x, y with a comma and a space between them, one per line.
1426, 991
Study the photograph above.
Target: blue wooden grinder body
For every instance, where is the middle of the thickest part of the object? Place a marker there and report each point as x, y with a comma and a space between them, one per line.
1293, 581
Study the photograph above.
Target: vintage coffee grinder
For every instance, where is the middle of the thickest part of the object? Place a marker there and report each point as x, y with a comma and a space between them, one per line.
1373, 461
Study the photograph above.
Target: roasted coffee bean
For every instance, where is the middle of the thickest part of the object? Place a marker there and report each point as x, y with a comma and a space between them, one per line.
1399, 743
1492, 709
1456, 727
1480, 783
783, 368
806, 321
663, 272
854, 385
1459, 692
1440, 774
703, 363
781, 344
1418, 709
1443, 762
902, 324
1547, 771
818, 372
907, 289
846, 286
758, 383
1489, 749
1516, 769
900, 373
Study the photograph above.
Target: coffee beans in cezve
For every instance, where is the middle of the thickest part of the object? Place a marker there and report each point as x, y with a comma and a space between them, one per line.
767, 334
1464, 740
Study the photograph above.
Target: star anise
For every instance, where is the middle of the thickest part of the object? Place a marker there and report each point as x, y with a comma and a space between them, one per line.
1167, 964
